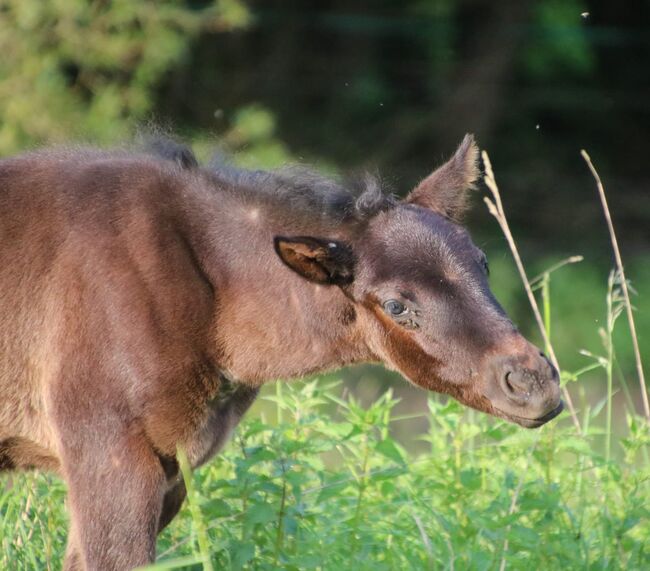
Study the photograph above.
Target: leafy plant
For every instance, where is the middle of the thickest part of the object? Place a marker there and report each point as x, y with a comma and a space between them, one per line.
92, 65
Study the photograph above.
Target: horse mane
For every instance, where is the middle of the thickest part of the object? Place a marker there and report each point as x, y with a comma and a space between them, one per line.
306, 193
296, 189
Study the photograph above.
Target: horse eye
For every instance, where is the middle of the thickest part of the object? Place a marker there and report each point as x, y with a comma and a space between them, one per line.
485, 265
395, 307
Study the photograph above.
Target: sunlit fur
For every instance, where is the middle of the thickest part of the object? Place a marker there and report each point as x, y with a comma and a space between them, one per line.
144, 300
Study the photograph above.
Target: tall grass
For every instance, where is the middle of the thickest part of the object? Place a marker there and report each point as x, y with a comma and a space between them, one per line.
325, 485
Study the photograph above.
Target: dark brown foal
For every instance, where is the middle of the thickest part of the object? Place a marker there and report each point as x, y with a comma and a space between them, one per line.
144, 300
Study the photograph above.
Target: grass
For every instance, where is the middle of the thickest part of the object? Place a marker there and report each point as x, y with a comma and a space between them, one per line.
314, 480
335, 491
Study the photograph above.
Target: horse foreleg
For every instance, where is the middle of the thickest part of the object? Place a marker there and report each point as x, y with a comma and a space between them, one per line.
116, 488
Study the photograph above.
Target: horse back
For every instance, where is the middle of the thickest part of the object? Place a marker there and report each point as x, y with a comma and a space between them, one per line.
101, 300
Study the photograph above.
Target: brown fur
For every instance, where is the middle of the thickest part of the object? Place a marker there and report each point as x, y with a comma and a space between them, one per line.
446, 189
142, 305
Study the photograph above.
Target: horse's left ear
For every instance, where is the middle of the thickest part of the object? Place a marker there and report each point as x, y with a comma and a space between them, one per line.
325, 262
445, 189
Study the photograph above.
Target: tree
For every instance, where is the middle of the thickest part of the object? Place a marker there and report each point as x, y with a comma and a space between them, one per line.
87, 69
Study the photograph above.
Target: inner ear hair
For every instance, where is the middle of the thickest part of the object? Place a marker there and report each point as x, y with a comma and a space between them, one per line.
322, 261
446, 189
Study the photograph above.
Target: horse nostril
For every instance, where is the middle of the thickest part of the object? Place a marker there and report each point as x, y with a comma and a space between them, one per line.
514, 386
507, 382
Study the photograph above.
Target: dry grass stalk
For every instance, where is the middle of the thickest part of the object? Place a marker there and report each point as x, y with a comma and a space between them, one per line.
496, 209
626, 294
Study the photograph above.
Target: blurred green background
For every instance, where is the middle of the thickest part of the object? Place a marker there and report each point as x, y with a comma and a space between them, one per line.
389, 86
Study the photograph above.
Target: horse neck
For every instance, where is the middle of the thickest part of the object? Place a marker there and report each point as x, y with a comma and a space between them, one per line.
270, 323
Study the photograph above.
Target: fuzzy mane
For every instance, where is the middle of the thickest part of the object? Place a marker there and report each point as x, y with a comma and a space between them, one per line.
302, 191
295, 189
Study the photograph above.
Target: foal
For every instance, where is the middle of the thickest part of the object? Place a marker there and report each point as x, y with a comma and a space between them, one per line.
144, 301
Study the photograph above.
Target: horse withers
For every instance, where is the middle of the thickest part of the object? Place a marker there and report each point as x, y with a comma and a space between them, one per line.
145, 299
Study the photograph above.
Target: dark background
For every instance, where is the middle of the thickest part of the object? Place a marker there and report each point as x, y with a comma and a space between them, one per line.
395, 85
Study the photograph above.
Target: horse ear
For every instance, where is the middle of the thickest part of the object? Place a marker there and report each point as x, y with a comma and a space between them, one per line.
325, 262
445, 189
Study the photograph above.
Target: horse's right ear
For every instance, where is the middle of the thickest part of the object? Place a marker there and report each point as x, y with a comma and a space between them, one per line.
325, 262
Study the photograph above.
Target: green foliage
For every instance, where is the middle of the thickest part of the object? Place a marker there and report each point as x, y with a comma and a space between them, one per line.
81, 69
253, 138
33, 522
317, 492
560, 45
